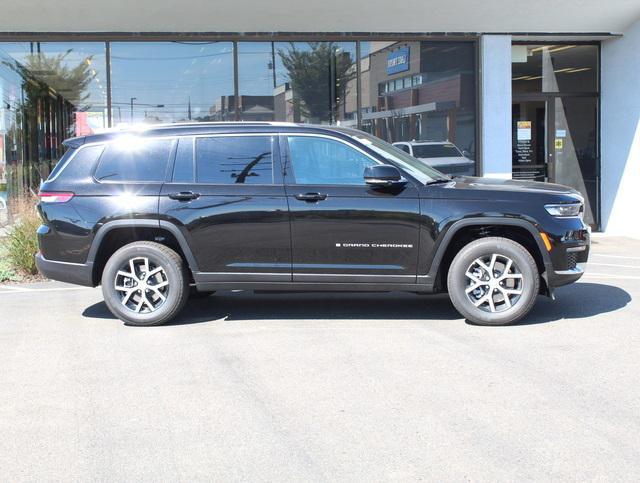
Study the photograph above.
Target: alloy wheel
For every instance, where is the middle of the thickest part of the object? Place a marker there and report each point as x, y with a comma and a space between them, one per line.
141, 285
494, 283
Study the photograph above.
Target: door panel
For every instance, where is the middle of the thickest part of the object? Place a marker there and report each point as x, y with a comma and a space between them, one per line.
350, 232
234, 228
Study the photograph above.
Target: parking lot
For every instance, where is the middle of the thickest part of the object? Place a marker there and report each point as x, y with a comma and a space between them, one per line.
325, 386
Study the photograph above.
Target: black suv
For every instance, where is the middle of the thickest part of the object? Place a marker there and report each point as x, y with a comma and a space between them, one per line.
286, 207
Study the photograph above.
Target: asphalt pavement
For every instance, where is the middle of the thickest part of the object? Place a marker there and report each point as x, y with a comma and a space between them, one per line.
318, 387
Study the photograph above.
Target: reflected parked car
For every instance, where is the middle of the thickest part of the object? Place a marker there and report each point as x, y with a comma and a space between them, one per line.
442, 155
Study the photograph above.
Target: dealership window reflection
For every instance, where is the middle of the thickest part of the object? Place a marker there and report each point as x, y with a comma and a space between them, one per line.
49, 91
420, 91
306, 82
171, 81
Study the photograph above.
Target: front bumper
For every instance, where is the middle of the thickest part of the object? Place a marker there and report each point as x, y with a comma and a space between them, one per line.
76, 273
569, 257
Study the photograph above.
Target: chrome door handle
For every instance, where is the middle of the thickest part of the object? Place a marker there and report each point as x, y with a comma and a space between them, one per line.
310, 197
184, 196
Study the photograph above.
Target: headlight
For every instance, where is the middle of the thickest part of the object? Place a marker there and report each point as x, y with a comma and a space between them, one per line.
565, 210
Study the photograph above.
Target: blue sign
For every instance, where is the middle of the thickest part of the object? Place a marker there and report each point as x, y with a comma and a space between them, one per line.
398, 60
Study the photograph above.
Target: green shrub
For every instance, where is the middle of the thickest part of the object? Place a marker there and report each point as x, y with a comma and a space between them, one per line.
22, 241
7, 273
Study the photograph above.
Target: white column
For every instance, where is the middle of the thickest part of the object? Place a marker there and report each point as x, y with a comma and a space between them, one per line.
495, 99
620, 134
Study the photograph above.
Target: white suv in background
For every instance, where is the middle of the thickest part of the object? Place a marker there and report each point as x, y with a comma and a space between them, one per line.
442, 155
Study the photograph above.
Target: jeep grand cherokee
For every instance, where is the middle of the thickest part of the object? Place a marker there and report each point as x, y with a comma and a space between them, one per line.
157, 214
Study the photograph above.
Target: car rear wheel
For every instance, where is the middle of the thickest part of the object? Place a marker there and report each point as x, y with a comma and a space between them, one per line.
145, 283
493, 281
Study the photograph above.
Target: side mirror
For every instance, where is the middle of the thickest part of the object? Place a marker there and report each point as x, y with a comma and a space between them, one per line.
383, 175
466, 154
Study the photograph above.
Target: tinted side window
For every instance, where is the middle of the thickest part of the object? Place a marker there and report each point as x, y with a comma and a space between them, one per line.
137, 159
76, 164
183, 167
317, 160
405, 148
234, 160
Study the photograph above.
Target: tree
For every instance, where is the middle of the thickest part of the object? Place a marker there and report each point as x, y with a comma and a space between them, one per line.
42, 73
318, 76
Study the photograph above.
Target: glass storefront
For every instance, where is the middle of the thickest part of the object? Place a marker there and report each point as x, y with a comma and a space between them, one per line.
423, 93
171, 81
49, 91
305, 82
555, 117
416, 92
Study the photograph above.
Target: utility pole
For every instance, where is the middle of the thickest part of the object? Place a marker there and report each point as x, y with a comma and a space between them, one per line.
131, 118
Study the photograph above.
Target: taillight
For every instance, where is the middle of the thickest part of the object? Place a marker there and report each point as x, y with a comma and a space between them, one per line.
51, 197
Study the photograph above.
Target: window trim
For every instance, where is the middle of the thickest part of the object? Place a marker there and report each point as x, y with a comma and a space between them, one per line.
275, 155
289, 168
169, 162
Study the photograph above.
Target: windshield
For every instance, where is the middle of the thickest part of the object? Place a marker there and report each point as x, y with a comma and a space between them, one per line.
398, 157
436, 151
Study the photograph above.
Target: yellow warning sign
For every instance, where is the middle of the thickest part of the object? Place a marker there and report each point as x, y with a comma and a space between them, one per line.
559, 143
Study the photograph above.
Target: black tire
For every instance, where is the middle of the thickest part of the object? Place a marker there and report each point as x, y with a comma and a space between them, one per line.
172, 279
520, 285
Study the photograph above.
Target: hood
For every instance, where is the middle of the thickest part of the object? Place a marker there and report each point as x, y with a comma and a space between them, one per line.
511, 186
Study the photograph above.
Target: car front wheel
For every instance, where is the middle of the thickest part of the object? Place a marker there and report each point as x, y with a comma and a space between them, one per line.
493, 281
145, 283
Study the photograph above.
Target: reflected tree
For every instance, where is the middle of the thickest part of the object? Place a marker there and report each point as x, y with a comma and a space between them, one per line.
53, 88
319, 77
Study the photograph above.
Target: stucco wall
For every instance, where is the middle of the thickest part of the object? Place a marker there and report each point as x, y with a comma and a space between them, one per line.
620, 134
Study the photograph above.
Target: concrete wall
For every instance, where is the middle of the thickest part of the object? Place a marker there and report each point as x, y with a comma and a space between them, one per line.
620, 134
499, 16
495, 96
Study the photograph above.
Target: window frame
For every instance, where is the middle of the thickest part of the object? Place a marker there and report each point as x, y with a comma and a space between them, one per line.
168, 164
290, 177
276, 165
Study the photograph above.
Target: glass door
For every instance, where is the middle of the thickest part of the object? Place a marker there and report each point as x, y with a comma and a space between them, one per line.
574, 149
530, 140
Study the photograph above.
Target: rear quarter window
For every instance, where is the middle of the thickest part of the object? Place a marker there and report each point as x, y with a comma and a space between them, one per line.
135, 160
76, 163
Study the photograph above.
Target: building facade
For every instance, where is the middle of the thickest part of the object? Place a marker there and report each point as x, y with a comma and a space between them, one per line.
516, 100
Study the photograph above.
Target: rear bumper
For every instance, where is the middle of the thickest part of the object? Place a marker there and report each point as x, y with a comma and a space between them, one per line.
76, 273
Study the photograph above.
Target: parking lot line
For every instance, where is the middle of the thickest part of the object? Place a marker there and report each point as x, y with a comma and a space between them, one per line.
612, 256
610, 265
9, 289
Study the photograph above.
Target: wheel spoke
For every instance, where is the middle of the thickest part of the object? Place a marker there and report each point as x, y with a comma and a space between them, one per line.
128, 295
505, 296
508, 276
154, 271
473, 287
491, 304
480, 301
507, 267
492, 264
473, 277
158, 293
132, 267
